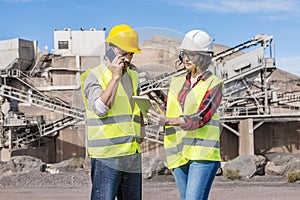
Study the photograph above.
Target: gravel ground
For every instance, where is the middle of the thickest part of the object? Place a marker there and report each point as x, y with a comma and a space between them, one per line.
75, 185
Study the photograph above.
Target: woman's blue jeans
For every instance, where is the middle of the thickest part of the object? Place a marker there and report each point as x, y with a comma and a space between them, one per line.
195, 179
116, 177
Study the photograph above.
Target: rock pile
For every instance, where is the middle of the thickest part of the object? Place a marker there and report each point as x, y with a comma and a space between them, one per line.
273, 164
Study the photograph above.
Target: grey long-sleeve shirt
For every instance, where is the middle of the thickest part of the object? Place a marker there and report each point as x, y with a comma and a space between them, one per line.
93, 90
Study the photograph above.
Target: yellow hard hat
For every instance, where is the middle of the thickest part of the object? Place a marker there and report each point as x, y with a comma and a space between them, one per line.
124, 37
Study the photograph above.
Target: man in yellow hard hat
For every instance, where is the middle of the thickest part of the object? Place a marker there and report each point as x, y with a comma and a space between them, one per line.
113, 120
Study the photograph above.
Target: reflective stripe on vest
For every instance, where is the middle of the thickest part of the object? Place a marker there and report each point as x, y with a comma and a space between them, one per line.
112, 141
112, 120
118, 132
200, 144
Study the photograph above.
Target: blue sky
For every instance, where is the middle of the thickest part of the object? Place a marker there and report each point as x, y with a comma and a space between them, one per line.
230, 22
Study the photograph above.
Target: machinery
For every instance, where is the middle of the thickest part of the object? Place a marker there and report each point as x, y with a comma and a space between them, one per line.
245, 74
17, 130
247, 92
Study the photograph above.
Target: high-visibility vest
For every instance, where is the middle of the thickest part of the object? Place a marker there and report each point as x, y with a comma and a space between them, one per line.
118, 132
184, 145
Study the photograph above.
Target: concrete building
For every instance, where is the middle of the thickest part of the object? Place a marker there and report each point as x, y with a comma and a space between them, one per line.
82, 42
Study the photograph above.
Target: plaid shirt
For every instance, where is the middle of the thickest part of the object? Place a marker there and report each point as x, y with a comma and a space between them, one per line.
208, 106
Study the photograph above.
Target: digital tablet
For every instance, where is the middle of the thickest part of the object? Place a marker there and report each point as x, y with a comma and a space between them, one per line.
143, 103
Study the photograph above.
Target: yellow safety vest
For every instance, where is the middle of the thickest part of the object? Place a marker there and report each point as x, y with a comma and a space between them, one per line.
118, 132
200, 144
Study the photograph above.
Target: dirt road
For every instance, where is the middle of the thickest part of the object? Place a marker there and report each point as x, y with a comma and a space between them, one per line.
76, 186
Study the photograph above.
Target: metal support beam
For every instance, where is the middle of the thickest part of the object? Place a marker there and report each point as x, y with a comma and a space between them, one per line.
246, 140
230, 129
258, 125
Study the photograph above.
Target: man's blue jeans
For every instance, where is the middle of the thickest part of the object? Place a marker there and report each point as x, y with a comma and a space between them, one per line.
195, 179
119, 177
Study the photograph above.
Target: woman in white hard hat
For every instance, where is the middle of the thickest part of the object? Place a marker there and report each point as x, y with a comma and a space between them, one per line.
192, 138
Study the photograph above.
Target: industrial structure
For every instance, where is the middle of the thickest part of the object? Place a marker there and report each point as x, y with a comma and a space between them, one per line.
42, 113
258, 116
37, 94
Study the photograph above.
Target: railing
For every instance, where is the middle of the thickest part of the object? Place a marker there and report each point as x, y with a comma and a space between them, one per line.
44, 130
262, 112
41, 101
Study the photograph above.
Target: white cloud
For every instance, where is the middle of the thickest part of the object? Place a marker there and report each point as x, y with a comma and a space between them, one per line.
242, 6
289, 64
20, 1
17, 1
254, 6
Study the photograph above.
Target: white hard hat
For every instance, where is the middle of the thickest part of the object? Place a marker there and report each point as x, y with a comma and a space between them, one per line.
197, 40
